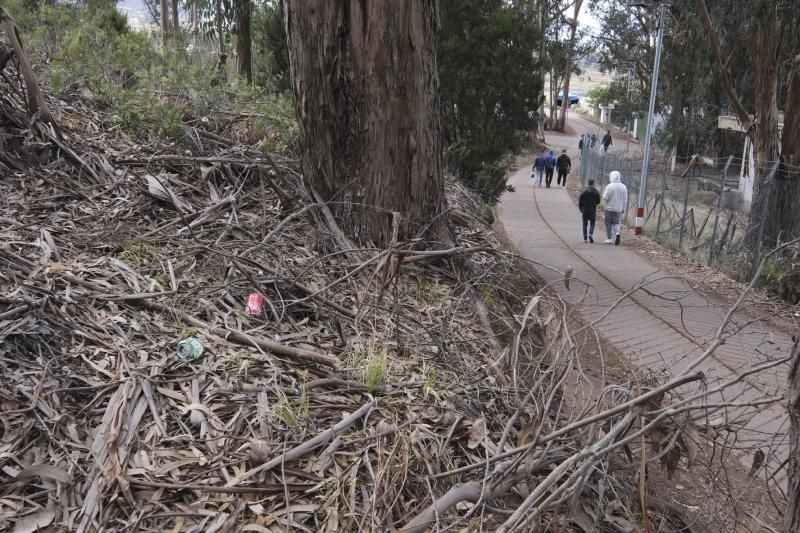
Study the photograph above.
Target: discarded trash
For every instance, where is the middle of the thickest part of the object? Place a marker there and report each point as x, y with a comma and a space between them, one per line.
255, 304
190, 348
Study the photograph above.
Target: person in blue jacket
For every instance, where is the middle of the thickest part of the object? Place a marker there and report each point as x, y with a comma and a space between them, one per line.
549, 167
539, 169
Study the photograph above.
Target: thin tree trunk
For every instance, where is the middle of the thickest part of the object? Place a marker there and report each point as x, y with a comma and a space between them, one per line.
164, 23
365, 83
562, 123
223, 58
542, 49
244, 44
176, 24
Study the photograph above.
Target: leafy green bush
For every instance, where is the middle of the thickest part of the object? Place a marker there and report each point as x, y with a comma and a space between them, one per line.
489, 87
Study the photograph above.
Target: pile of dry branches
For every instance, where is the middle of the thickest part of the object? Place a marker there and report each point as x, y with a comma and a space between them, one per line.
380, 390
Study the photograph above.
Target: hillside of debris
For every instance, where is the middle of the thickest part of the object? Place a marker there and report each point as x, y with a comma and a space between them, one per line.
186, 344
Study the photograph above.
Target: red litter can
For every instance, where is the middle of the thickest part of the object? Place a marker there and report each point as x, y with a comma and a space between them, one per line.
255, 304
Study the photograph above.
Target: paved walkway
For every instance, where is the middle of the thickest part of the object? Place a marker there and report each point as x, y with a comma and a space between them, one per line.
662, 329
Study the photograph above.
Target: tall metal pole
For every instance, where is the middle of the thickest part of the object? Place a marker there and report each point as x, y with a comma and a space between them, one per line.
651, 110
631, 76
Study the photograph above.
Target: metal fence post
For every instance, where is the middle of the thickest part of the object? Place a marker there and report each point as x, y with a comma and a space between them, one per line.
760, 233
661, 207
719, 208
629, 182
686, 202
584, 166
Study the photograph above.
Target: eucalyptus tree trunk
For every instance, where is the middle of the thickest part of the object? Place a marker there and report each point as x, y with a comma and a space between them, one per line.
562, 122
176, 25
365, 83
164, 23
222, 58
791, 516
244, 40
766, 140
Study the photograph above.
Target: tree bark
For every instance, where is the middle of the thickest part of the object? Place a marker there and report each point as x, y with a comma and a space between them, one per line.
176, 24
365, 82
790, 147
164, 23
222, 56
765, 122
562, 122
244, 43
791, 516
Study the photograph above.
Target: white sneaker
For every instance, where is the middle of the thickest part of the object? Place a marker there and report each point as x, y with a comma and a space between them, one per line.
609, 241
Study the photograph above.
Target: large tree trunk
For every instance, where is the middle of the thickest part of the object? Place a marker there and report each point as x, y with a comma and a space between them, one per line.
244, 44
791, 516
164, 23
766, 123
365, 83
562, 122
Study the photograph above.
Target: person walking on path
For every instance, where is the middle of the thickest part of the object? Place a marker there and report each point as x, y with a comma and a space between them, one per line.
549, 166
615, 199
593, 141
538, 169
587, 203
563, 165
580, 144
607, 141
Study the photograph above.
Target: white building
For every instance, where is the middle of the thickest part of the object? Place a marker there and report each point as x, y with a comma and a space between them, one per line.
747, 174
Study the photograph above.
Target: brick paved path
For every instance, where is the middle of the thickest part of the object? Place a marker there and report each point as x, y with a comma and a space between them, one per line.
661, 331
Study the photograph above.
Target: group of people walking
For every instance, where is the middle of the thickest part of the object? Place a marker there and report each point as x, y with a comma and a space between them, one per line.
545, 164
614, 197
591, 142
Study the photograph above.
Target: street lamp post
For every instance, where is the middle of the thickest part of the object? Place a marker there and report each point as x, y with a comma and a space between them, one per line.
651, 110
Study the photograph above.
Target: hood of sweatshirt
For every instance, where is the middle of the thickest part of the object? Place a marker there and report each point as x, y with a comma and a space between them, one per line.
614, 176
552, 153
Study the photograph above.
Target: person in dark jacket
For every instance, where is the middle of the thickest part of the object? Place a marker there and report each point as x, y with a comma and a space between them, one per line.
549, 167
593, 141
587, 203
580, 143
607, 141
564, 165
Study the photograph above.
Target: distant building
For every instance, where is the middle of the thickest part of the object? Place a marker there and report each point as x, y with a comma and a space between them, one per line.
747, 174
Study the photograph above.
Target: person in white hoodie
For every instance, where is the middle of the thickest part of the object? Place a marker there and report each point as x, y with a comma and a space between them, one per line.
615, 199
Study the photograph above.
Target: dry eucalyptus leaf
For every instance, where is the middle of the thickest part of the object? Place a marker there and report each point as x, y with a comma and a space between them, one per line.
34, 522
477, 432
44, 471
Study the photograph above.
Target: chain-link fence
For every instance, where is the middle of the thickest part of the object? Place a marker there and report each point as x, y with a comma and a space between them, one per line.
693, 205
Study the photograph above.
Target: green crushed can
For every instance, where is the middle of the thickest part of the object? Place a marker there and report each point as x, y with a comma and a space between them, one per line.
190, 349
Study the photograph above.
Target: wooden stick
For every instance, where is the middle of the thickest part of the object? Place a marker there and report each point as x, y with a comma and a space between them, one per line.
302, 449
36, 102
273, 488
242, 338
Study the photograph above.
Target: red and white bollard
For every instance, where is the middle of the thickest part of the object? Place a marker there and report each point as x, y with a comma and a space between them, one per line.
639, 220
